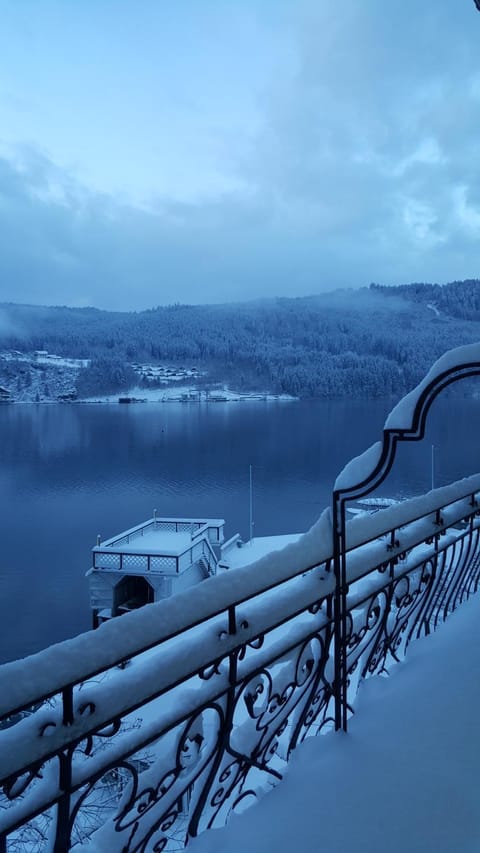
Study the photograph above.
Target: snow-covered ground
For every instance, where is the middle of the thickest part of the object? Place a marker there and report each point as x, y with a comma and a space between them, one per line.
155, 542
405, 777
39, 377
235, 557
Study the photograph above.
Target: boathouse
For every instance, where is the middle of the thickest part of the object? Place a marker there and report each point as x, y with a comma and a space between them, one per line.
152, 561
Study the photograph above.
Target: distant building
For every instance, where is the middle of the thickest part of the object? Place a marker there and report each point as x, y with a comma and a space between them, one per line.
67, 396
150, 562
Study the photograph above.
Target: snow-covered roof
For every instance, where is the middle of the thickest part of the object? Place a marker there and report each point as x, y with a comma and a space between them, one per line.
155, 542
169, 537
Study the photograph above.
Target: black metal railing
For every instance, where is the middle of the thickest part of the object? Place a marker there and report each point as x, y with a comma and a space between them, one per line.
158, 725
223, 697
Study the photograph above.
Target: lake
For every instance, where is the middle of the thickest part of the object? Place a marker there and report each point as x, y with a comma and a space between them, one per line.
70, 472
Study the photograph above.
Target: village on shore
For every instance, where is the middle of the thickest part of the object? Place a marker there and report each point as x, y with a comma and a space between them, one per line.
44, 377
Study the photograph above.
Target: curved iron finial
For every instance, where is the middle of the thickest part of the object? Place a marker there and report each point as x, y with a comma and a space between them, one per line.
406, 422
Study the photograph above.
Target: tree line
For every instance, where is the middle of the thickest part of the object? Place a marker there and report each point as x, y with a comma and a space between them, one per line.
376, 341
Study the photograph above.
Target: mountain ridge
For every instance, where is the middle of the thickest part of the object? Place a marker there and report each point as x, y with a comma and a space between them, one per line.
374, 341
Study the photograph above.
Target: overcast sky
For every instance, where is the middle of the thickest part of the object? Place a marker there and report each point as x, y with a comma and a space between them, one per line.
158, 151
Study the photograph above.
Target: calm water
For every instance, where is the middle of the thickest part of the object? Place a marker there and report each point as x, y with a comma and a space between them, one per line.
70, 472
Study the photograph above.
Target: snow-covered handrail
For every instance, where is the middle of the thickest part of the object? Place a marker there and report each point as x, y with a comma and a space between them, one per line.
406, 422
84, 656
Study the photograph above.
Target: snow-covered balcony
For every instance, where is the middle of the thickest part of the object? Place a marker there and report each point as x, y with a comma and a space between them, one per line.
405, 778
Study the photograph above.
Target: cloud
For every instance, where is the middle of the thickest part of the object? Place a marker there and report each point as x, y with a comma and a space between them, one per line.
61, 244
365, 168
369, 143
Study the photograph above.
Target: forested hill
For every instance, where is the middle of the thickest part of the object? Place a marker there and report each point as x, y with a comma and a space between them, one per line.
370, 342
459, 299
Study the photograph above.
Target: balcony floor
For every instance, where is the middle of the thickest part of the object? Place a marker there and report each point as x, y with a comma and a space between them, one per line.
405, 778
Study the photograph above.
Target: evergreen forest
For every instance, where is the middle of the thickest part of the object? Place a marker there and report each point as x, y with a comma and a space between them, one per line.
375, 341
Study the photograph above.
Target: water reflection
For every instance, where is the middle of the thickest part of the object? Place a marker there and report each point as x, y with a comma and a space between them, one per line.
70, 472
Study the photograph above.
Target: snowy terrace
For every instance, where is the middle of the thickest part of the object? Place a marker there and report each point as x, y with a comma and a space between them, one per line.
161, 724
405, 779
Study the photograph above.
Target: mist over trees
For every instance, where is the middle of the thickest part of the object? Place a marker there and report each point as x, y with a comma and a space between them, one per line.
376, 341
459, 299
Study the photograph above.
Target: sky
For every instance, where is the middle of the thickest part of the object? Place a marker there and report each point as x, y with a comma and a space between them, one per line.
220, 150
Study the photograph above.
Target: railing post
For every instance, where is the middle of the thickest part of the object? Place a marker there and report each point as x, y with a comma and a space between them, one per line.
67, 705
232, 620
339, 614
62, 834
226, 727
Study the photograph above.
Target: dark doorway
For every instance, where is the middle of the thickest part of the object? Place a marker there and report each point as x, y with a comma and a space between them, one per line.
131, 593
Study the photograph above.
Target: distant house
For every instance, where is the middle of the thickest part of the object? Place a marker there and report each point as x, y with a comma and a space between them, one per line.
152, 561
4, 395
67, 396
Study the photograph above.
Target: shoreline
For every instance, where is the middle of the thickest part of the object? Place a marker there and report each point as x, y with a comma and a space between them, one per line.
130, 401
135, 399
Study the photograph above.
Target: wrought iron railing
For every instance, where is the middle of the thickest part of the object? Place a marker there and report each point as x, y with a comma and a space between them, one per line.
160, 723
